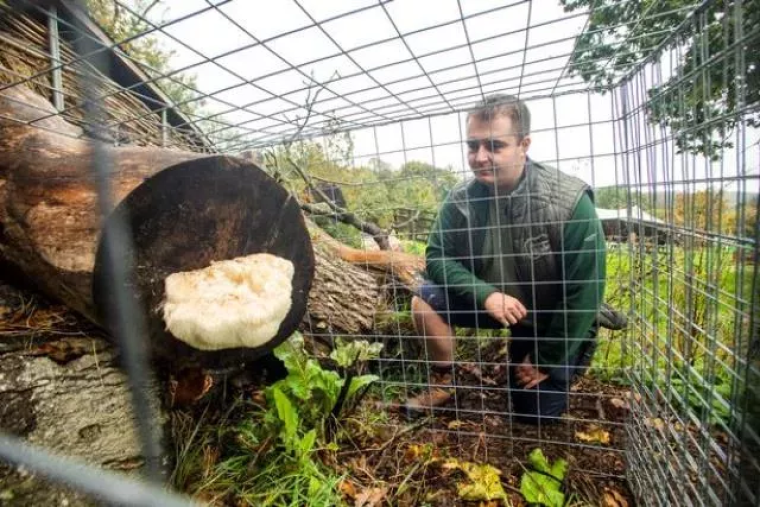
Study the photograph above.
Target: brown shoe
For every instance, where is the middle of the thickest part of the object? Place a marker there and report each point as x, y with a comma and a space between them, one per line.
434, 396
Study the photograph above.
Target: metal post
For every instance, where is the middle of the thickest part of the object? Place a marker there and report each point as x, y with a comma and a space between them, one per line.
164, 128
55, 58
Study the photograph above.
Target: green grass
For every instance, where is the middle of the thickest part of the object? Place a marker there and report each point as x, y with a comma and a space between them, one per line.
688, 308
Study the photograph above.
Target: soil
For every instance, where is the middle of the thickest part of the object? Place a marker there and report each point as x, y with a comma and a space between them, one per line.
477, 428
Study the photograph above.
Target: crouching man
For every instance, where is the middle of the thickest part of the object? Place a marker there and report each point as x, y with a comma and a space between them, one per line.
519, 245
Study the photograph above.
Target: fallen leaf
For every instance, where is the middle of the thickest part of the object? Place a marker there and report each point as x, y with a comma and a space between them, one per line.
613, 498
483, 481
594, 435
63, 351
655, 422
370, 497
347, 488
189, 386
621, 404
455, 424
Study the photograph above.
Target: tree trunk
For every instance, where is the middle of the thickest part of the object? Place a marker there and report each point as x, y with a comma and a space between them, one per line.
60, 389
184, 210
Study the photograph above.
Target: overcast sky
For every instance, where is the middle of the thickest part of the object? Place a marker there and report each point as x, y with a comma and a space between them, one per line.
519, 47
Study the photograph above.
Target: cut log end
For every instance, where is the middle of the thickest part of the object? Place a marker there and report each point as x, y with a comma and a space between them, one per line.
187, 217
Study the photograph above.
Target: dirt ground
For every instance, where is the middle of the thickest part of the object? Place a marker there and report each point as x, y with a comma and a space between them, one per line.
407, 455
477, 428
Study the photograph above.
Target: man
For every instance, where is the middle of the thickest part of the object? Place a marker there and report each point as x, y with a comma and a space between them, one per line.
518, 246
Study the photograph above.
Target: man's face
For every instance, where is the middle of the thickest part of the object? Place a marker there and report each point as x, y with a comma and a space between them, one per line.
496, 155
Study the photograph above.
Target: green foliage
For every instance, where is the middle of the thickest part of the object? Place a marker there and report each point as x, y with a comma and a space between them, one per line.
701, 100
542, 483
618, 197
314, 389
274, 458
372, 192
414, 247
347, 353
688, 298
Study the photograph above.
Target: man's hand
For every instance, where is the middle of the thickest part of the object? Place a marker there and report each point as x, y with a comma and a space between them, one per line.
528, 376
505, 309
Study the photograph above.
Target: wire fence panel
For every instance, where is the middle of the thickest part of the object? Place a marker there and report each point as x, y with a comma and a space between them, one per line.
569, 266
695, 281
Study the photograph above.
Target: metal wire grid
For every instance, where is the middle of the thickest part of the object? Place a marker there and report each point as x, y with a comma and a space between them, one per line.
332, 111
407, 370
692, 329
436, 87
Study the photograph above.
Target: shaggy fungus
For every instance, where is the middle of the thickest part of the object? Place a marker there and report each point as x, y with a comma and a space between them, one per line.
232, 303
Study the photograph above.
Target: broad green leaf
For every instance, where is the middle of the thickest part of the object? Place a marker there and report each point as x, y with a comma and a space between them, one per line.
307, 443
288, 415
348, 352
359, 382
559, 469
540, 488
292, 354
538, 461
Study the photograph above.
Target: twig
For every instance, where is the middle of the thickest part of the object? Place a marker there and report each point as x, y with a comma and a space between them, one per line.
380, 236
341, 183
414, 217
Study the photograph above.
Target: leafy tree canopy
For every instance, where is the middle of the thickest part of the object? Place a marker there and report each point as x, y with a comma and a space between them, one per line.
715, 82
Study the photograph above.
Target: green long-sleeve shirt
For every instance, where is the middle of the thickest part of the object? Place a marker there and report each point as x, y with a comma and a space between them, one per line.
560, 329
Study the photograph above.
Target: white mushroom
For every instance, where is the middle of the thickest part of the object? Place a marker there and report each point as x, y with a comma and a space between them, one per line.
232, 303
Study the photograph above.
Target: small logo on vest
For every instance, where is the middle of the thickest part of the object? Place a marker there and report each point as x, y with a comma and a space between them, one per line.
537, 247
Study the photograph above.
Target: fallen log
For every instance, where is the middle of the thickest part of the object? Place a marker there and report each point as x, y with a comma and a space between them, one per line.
184, 210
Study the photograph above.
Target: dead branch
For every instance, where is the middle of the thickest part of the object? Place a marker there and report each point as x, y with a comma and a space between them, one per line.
345, 216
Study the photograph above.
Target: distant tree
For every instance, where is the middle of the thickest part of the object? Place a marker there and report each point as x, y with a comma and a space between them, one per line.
700, 101
618, 197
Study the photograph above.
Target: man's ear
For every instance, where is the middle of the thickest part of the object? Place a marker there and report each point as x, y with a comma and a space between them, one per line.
525, 143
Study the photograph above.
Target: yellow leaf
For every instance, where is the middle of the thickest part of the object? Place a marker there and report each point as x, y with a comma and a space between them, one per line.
613, 498
594, 435
412, 452
455, 424
655, 423
347, 488
483, 484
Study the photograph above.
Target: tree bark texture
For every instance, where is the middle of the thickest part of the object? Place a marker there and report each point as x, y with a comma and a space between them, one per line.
61, 389
184, 210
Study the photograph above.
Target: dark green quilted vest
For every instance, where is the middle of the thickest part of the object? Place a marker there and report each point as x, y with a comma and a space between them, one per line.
539, 207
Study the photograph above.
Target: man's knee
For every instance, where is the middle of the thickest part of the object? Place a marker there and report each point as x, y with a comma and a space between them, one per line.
417, 303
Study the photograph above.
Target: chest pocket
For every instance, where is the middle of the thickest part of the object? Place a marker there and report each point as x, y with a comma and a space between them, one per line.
537, 247
537, 263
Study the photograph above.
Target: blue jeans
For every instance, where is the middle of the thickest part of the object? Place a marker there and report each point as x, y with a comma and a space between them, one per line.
548, 400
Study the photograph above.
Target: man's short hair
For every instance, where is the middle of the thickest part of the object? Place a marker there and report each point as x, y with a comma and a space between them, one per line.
507, 105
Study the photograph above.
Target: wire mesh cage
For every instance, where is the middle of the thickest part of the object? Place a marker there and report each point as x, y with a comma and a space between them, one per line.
605, 190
